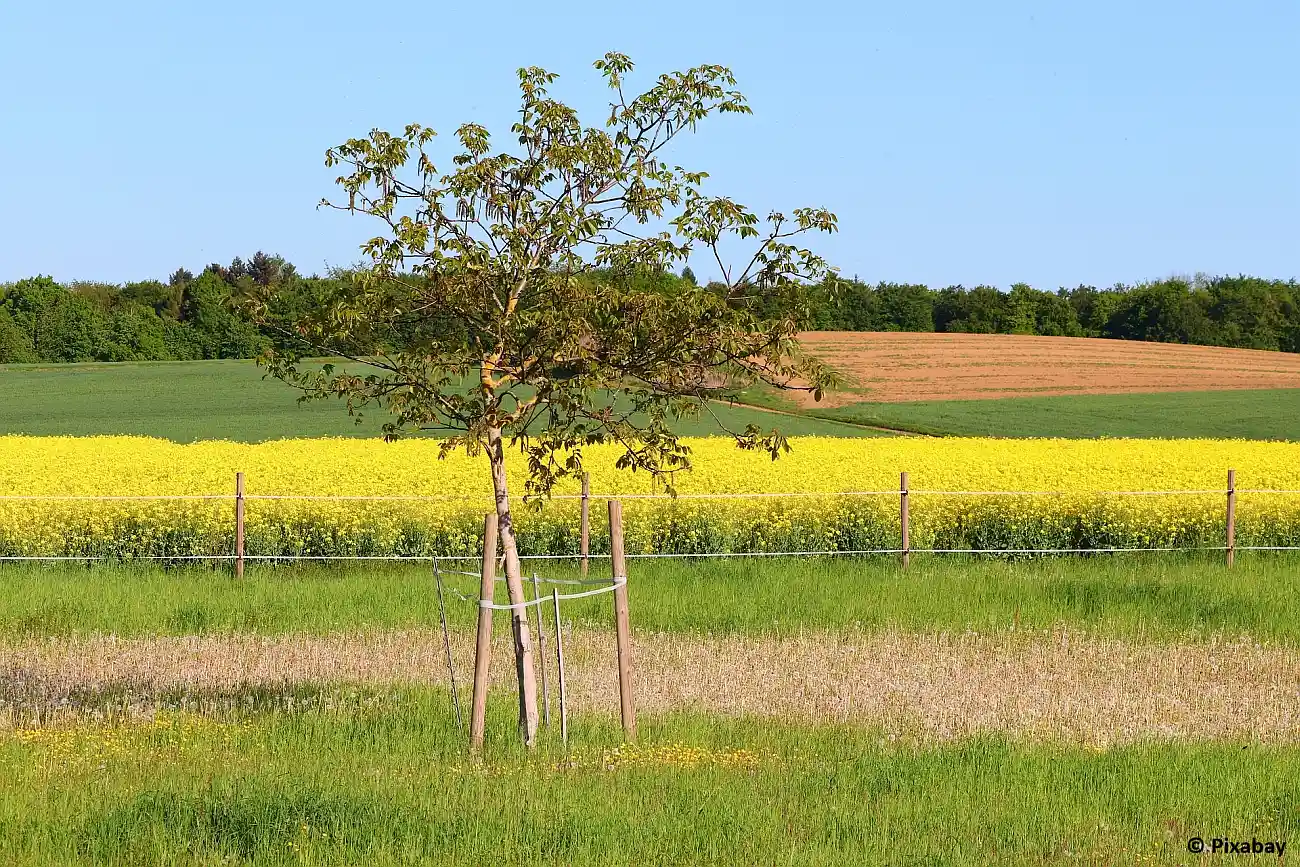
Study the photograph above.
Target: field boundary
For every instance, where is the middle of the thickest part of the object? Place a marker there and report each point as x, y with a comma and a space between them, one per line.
238, 554
705, 555
735, 495
821, 416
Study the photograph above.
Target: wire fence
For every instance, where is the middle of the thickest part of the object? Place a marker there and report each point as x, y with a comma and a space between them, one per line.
696, 555
905, 492
743, 495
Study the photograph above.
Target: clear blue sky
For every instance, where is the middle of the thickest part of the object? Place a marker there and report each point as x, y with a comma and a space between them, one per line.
1050, 142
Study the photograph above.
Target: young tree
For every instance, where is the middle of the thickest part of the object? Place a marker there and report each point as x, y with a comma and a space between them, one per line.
548, 358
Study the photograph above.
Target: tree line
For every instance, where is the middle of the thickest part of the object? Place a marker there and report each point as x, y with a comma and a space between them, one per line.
1242, 311
191, 316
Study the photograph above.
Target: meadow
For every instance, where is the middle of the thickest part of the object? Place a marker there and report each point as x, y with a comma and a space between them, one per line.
806, 713
1143, 597
1088, 711
382, 778
188, 401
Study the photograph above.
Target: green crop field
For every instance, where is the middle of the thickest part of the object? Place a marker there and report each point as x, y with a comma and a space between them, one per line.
186, 401
1255, 414
1267, 414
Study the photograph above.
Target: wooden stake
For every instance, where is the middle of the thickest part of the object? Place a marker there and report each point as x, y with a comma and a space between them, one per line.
446, 642
541, 652
525, 671
483, 641
623, 630
904, 515
1232, 516
522, 631
585, 542
239, 525
559, 665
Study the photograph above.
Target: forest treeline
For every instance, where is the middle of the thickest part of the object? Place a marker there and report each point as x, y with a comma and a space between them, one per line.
1241, 311
190, 316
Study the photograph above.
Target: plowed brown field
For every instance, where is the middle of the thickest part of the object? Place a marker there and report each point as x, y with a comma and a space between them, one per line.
893, 366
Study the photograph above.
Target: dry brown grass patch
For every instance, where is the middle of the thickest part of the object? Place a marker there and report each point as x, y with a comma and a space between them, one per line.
1059, 685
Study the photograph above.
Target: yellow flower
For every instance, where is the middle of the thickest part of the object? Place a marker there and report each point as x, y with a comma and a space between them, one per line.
441, 502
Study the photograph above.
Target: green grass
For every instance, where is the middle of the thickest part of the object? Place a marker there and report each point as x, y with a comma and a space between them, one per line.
1257, 415
1141, 596
334, 774
383, 779
186, 401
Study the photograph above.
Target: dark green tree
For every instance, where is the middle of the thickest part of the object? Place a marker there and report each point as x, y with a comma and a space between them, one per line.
15, 344
903, 307
216, 330
1247, 312
1167, 311
982, 310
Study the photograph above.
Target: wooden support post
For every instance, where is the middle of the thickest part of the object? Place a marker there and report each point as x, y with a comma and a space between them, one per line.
623, 630
541, 653
483, 641
585, 542
239, 525
1232, 516
559, 666
522, 630
904, 514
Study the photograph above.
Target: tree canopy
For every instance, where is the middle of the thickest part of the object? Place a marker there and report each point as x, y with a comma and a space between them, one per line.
526, 295
552, 263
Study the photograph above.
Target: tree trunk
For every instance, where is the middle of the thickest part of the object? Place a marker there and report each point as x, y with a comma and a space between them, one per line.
515, 587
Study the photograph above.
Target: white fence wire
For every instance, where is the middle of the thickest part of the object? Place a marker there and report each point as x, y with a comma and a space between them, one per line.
668, 555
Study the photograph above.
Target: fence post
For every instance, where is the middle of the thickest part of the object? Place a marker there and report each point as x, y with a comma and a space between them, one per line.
239, 525
1232, 516
904, 516
618, 565
483, 641
585, 542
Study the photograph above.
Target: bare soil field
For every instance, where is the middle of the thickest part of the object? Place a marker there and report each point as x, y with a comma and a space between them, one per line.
1057, 685
892, 366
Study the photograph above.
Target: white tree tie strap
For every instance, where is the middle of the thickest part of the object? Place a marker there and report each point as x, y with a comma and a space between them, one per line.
620, 581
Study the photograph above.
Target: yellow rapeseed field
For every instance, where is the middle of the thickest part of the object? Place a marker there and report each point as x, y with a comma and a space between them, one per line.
1080, 512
